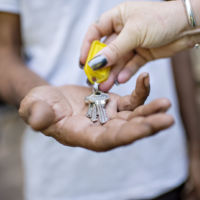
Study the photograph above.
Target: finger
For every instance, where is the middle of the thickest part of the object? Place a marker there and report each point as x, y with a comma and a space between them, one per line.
171, 49
131, 68
141, 127
156, 106
88, 83
92, 34
139, 95
192, 32
24, 109
104, 27
125, 115
81, 65
110, 38
38, 114
122, 45
106, 86
41, 116
123, 133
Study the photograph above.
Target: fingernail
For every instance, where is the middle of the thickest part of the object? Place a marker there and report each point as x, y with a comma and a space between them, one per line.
116, 82
98, 62
88, 82
81, 65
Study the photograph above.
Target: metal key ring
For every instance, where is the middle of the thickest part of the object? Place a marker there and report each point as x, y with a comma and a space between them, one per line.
96, 87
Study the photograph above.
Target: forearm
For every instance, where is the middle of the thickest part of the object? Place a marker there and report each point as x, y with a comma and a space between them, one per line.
16, 80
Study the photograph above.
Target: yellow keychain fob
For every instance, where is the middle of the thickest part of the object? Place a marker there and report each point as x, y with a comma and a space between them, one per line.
99, 75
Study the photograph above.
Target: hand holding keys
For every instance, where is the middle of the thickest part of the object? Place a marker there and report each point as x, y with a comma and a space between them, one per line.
97, 100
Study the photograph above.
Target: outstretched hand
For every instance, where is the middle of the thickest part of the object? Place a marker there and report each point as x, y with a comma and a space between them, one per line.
60, 112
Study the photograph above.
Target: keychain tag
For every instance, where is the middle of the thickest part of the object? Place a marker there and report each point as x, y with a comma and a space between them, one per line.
99, 75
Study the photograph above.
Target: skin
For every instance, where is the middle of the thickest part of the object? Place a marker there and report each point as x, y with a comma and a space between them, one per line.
64, 111
142, 31
59, 112
15, 78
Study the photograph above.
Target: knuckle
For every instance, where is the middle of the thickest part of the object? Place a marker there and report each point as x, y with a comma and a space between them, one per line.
138, 120
191, 41
187, 42
104, 16
114, 52
139, 110
149, 127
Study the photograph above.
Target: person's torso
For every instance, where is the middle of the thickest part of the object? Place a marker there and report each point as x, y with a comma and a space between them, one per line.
53, 32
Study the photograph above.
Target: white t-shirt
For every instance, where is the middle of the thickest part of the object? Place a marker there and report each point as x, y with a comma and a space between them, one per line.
52, 34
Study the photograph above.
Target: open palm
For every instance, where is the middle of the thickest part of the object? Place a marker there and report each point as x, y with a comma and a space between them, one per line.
60, 112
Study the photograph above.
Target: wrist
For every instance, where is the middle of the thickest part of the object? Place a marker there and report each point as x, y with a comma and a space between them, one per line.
182, 16
17, 82
196, 9
20, 90
190, 7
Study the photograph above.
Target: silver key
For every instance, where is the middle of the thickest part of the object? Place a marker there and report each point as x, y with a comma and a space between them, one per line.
90, 108
99, 100
99, 97
102, 113
89, 112
94, 117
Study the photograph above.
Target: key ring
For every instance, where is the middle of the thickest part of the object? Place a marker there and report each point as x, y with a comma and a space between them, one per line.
96, 87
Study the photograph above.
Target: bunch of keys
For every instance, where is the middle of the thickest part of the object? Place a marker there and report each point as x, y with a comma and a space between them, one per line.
98, 99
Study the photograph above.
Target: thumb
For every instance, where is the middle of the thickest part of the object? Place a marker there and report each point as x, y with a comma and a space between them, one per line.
123, 44
138, 96
39, 115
